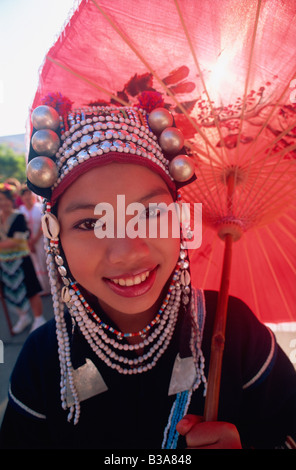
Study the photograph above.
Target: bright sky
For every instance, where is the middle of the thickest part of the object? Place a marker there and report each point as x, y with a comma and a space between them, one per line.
28, 28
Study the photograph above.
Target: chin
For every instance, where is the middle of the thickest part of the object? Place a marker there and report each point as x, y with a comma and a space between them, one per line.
133, 306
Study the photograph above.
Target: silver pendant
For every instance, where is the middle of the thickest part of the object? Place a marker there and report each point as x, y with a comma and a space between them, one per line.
183, 375
88, 382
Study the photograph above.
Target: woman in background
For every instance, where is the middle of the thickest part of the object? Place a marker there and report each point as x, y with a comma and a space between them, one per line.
20, 284
32, 210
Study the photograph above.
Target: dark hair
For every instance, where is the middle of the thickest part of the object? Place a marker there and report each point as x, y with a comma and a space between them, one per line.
24, 190
8, 192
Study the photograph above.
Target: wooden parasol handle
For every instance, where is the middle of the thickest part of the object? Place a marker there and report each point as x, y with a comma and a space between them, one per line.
218, 337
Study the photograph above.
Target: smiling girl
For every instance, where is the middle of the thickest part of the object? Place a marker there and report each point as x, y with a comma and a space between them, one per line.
124, 362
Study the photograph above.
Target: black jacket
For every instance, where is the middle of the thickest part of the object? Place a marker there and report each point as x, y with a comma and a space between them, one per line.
258, 391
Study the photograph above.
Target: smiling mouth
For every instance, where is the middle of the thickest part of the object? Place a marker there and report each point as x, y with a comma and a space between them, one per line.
133, 285
131, 281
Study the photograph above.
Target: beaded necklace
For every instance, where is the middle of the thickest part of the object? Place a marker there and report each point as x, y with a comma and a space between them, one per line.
99, 335
78, 297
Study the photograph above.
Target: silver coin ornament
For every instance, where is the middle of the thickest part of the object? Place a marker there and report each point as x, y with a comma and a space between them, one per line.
50, 226
171, 140
45, 117
42, 172
46, 142
181, 168
159, 119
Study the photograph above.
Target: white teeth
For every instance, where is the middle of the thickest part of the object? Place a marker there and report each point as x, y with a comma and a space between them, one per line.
145, 275
131, 281
137, 280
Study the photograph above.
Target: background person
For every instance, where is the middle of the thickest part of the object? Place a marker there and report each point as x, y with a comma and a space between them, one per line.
32, 210
21, 287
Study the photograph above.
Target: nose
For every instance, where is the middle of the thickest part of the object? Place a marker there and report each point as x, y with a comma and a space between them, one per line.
127, 251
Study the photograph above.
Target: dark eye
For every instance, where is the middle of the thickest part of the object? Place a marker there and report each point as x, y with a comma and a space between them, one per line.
86, 224
152, 212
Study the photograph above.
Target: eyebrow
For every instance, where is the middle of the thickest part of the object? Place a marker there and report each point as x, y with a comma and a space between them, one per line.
76, 206
155, 192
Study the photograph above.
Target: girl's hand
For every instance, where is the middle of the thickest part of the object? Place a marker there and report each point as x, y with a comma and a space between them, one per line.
208, 434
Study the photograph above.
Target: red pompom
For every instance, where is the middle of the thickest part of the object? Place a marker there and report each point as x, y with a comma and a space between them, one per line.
60, 103
150, 100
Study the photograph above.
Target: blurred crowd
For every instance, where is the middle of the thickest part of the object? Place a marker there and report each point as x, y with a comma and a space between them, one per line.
23, 270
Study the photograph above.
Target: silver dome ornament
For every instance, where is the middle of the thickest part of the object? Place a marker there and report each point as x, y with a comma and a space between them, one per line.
46, 142
181, 168
42, 172
50, 226
159, 119
45, 117
171, 140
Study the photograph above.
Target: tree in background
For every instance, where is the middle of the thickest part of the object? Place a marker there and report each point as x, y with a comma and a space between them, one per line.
12, 164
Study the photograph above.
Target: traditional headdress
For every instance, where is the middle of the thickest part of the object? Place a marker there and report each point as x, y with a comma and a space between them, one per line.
97, 135
63, 147
8, 189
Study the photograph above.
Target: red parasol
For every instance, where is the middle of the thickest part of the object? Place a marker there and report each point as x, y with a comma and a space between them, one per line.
226, 69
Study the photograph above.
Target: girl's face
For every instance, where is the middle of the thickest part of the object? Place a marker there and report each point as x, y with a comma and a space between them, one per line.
127, 275
28, 198
6, 205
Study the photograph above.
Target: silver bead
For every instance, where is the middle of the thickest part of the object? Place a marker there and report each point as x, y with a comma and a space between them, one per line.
72, 161
186, 290
181, 168
46, 142
184, 264
42, 172
45, 117
171, 140
185, 299
159, 119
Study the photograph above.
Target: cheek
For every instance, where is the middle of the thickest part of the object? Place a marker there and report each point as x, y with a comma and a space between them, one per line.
170, 249
83, 256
